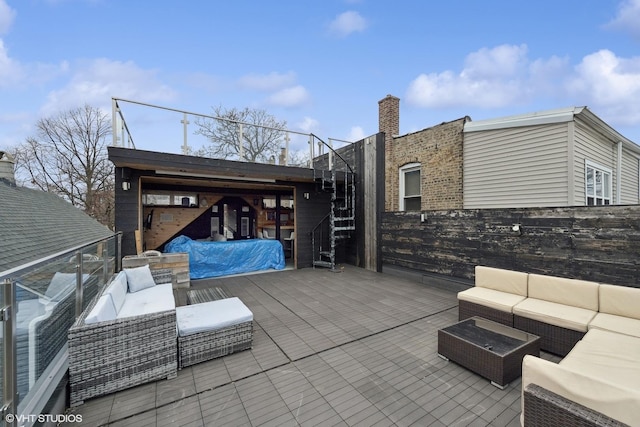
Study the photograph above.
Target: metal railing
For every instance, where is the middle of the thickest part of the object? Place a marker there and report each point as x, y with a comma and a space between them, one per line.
39, 302
167, 128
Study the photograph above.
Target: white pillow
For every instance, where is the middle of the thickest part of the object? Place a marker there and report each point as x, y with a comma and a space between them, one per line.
60, 285
118, 290
139, 278
102, 311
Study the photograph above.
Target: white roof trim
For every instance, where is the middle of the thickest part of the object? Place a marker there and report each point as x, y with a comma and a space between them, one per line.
562, 115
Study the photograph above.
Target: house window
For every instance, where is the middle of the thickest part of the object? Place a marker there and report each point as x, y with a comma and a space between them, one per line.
410, 194
598, 184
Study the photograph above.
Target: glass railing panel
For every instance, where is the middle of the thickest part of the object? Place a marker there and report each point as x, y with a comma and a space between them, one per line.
46, 308
2, 361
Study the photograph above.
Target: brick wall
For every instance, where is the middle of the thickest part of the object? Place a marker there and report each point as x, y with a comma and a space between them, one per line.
439, 151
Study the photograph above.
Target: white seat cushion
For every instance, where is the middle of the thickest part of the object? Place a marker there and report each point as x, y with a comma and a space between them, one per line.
565, 316
610, 356
212, 315
614, 323
498, 300
151, 300
103, 311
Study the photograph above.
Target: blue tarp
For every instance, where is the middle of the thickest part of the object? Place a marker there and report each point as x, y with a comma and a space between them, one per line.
213, 259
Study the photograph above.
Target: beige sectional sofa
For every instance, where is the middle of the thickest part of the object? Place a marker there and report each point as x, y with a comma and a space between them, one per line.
596, 327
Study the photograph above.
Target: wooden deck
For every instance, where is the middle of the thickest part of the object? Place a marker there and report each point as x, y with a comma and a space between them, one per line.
350, 348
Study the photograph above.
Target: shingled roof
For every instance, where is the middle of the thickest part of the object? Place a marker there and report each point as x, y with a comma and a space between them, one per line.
35, 224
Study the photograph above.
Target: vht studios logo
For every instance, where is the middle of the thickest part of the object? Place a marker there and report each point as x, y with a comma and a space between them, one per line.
43, 418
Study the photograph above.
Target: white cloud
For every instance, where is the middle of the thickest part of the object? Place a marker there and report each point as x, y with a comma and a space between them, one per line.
11, 72
504, 77
97, 81
309, 125
6, 17
491, 78
14, 74
267, 82
347, 23
609, 85
356, 134
289, 97
627, 18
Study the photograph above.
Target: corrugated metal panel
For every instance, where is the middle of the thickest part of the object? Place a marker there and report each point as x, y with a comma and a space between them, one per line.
516, 167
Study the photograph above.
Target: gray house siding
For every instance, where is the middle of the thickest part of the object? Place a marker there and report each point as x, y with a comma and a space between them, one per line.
593, 147
630, 178
516, 167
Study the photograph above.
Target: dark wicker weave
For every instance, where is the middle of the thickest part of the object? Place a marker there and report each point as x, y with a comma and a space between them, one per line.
553, 339
204, 346
109, 356
468, 309
546, 409
501, 369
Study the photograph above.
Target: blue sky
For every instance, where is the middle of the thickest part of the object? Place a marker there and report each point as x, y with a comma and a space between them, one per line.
320, 65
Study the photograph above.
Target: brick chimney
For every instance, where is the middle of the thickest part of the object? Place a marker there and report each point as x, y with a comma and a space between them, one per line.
389, 115
7, 165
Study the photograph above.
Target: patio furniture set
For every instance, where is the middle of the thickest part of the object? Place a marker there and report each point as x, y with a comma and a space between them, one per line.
595, 328
133, 333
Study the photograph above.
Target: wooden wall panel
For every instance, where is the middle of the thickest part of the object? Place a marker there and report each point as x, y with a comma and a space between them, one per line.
595, 243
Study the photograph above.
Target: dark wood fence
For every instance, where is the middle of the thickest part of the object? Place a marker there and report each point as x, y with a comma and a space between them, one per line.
591, 243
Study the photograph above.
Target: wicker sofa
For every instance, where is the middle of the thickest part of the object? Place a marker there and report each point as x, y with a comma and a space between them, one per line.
597, 383
557, 309
123, 338
596, 327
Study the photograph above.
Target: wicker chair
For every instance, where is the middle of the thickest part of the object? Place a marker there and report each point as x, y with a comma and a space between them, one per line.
113, 355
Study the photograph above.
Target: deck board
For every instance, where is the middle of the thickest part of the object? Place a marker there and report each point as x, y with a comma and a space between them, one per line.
350, 348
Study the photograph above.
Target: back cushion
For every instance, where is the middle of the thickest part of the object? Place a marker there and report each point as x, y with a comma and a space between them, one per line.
620, 300
513, 282
573, 292
118, 290
102, 311
139, 278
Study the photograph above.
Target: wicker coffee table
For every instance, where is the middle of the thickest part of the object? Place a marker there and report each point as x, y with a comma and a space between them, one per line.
487, 348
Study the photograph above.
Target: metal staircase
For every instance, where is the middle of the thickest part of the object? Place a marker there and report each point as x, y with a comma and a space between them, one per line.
340, 223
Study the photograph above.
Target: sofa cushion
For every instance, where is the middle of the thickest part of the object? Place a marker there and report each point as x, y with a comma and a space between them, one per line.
139, 278
498, 300
613, 323
620, 300
103, 310
118, 290
151, 300
578, 293
565, 316
513, 282
607, 355
598, 394
212, 315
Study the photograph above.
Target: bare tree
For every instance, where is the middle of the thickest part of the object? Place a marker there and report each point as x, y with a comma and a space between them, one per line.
262, 135
68, 157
